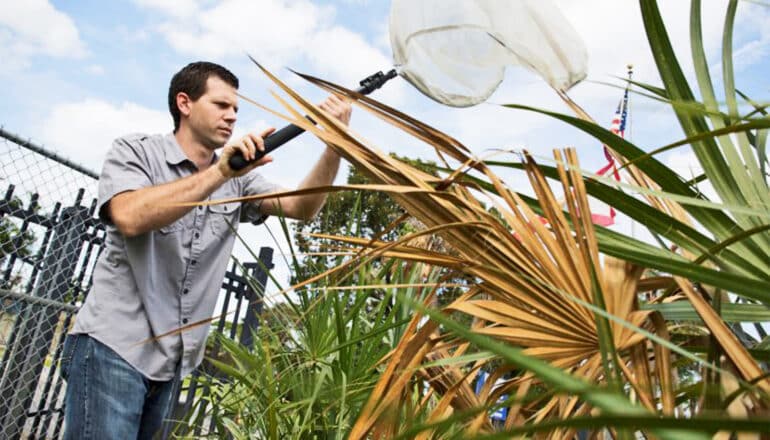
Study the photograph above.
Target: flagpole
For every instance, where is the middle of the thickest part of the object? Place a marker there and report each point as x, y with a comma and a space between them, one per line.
630, 68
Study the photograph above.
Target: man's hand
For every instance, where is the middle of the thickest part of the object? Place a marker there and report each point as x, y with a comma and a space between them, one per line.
305, 207
248, 145
251, 143
338, 108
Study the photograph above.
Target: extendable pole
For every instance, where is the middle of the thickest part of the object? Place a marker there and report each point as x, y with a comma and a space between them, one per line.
289, 132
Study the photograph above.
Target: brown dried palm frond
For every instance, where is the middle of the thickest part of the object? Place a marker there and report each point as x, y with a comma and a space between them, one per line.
537, 288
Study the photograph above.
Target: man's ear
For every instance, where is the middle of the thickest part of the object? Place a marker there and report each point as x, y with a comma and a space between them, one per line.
183, 102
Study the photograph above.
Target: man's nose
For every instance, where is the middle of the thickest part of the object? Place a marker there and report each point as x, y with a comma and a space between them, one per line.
231, 116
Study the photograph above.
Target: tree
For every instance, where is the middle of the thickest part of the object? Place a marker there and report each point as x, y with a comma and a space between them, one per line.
351, 213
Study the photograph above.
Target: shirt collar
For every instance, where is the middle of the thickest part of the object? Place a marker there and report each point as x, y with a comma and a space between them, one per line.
172, 150
174, 154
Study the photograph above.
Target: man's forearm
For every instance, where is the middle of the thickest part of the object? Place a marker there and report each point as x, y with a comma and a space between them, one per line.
147, 209
323, 173
307, 206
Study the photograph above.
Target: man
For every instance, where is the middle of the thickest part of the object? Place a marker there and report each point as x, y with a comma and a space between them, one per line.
162, 265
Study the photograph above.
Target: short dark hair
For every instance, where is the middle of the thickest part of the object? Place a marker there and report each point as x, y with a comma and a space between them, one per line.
192, 81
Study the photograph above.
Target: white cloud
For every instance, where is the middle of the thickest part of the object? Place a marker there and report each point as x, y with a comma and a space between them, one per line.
95, 69
36, 27
268, 29
756, 48
360, 58
174, 8
382, 39
364, 60
614, 33
256, 126
84, 130
277, 33
131, 35
749, 54
686, 164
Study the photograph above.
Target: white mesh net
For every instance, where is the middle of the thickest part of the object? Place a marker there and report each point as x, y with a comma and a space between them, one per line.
456, 51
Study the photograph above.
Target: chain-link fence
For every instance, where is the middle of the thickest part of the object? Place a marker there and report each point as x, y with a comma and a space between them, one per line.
50, 239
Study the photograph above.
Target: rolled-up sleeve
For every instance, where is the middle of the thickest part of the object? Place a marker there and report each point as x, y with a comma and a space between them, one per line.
126, 168
254, 183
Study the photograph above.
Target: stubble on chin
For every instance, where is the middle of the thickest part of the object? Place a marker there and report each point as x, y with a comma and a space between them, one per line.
216, 141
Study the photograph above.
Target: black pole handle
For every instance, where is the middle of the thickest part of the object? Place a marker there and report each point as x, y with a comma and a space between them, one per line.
275, 140
238, 162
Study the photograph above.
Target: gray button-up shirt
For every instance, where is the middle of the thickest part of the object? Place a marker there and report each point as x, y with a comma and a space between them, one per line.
157, 282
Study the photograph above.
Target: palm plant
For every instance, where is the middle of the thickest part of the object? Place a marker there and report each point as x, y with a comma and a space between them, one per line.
567, 339
314, 363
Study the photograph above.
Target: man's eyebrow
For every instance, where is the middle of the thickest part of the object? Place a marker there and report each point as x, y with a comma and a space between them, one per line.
223, 101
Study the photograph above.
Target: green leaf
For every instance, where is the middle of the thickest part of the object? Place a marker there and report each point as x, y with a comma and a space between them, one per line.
641, 423
636, 251
656, 221
629, 249
731, 312
460, 360
737, 128
715, 221
676, 84
760, 140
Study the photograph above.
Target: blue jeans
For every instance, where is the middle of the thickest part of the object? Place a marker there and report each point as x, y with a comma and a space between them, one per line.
106, 397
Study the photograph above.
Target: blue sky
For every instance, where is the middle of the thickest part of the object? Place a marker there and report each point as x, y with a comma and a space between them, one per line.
64, 59
77, 74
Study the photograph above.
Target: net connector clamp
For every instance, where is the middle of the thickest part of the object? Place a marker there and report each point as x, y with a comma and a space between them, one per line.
375, 81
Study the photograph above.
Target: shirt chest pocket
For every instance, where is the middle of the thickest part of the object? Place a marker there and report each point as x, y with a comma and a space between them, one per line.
223, 218
180, 225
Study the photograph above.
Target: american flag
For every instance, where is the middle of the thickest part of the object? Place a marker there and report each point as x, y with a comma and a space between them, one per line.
618, 127
621, 114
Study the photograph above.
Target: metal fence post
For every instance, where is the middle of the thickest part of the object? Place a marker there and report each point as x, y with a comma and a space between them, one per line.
257, 271
36, 325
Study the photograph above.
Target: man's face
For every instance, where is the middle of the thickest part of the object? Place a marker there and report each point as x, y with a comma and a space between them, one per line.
212, 117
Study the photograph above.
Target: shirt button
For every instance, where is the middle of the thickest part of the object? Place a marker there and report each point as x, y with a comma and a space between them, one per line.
197, 235
193, 262
200, 208
184, 321
185, 291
